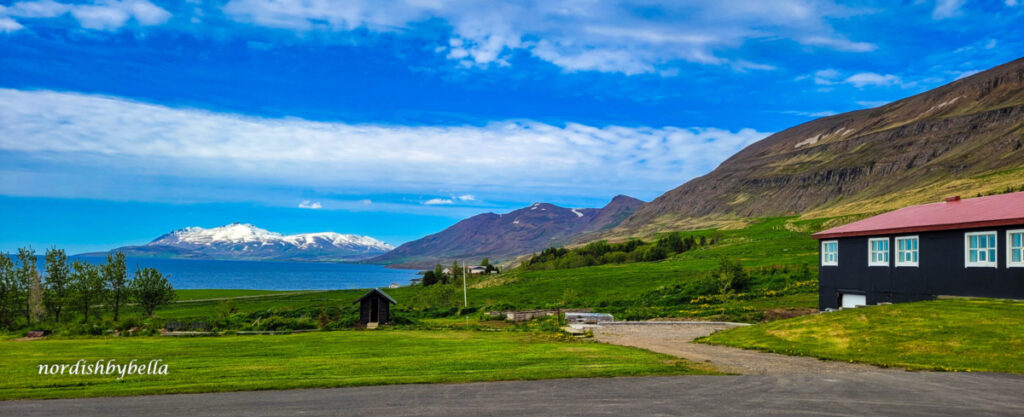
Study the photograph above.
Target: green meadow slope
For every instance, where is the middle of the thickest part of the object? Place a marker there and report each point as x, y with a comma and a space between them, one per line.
951, 335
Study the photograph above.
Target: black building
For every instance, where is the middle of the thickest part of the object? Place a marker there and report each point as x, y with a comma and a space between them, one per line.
375, 308
972, 247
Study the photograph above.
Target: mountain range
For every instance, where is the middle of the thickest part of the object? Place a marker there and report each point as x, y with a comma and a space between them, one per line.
504, 236
963, 138
247, 242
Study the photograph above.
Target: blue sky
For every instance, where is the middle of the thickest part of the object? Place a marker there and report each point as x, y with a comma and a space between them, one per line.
121, 120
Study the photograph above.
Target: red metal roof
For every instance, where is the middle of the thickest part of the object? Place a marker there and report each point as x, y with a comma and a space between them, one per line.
996, 210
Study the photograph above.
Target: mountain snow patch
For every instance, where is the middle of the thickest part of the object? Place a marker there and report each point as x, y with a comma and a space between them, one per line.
808, 141
242, 233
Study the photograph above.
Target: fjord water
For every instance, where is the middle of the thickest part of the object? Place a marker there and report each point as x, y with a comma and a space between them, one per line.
187, 274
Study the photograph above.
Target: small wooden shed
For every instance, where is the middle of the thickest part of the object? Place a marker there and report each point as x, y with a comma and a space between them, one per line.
375, 308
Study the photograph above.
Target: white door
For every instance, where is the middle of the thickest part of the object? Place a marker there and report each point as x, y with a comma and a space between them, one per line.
854, 300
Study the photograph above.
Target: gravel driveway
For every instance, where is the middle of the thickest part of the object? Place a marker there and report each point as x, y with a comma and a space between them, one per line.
676, 339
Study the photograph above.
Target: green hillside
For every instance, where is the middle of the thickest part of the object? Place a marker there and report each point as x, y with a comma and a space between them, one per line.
777, 254
956, 334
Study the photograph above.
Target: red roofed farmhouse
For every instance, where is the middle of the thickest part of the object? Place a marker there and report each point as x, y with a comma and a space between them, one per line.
971, 247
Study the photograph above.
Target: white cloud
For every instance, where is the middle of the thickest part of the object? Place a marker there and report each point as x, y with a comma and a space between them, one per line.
467, 197
600, 35
859, 80
366, 202
438, 201
826, 77
946, 8
312, 205
100, 15
862, 79
1012, 3
840, 44
825, 113
8, 25
519, 156
966, 74
872, 103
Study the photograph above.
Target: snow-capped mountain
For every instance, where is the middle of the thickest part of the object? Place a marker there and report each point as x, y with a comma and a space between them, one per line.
245, 241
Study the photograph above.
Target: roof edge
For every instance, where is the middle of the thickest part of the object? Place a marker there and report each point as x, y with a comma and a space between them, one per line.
376, 290
929, 228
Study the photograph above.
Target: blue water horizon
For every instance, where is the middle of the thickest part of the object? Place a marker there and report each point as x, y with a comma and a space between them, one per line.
194, 274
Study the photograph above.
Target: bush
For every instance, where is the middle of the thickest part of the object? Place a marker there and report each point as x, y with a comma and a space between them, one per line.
277, 323
731, 277
347, 321
84, 329
226, 308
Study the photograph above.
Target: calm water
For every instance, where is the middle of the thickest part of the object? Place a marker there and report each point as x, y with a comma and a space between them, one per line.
262, 275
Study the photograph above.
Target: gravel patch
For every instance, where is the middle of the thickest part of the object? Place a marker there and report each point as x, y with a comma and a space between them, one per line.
676, 340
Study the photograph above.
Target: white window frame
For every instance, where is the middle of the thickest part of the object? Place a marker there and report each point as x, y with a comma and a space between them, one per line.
993, 263
1009, 249
888, 255
823, 261
908, 251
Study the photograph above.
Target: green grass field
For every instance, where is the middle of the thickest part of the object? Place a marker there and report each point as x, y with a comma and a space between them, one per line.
319, 359
188, 295
954, 334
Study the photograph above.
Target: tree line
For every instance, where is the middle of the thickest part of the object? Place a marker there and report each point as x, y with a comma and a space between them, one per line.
76, 287
439, 276
602, 252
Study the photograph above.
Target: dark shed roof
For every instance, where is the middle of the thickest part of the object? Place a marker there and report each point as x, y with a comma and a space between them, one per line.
996, 210
375, 290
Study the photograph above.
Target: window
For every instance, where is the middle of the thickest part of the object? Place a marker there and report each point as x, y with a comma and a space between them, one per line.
980, 249
1015, 248
906, 251
878, 252
830, 253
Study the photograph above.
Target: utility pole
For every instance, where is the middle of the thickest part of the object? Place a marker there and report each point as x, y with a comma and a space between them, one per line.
465, 270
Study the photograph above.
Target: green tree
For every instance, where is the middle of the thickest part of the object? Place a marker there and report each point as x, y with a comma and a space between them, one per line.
429, 278
115, 274
672, 243
9, 296
151, 290
25, 276
37, 312
226, 308
731, 277
58, 289
456, 271
88, 286
485, 262
439, 274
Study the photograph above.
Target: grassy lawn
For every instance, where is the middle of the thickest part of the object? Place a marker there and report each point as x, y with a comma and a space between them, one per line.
320, 359
955, 335
187, 295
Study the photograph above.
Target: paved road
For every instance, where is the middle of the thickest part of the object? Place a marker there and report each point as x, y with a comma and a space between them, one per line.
846, 394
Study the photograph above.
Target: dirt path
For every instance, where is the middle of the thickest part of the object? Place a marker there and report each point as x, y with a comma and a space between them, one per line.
675, 339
